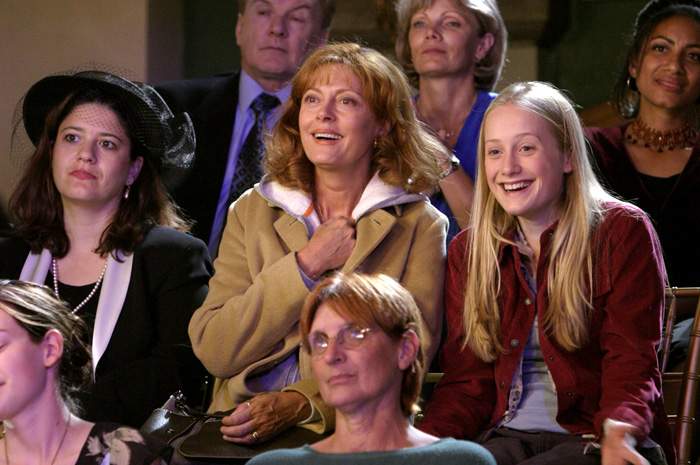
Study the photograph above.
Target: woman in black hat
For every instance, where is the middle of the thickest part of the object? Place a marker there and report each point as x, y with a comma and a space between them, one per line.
93, 222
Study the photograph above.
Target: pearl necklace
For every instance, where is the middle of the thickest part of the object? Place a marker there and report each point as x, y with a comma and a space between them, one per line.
55, 455
54, 268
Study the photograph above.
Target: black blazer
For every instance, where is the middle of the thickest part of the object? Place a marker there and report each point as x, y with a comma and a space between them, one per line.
211, 103
149, 355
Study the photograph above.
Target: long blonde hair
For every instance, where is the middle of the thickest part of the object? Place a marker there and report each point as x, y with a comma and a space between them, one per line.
570, 274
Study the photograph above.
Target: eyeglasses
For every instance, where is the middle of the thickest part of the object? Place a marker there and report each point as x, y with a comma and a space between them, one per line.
349, 337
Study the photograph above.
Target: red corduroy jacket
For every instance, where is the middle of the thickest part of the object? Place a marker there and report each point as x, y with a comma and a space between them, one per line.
615, 375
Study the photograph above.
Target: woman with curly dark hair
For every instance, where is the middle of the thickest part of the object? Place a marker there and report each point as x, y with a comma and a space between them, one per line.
654, 159
92, 221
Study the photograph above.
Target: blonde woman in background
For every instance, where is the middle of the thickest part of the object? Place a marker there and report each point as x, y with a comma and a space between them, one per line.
456, 49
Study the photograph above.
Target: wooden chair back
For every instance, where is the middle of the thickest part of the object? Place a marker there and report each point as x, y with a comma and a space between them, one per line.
680, 388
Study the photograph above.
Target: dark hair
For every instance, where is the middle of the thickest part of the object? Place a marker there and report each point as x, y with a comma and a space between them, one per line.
35, 308
327, 11
35, 205
372, 300
625, 92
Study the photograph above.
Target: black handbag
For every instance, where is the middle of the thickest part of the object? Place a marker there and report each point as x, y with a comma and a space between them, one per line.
196, 439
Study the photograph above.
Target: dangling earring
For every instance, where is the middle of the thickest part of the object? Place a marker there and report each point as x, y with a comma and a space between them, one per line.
126, 191
632, 84
375, 144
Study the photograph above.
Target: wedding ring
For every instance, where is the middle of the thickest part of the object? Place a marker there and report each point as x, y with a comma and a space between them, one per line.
255, 436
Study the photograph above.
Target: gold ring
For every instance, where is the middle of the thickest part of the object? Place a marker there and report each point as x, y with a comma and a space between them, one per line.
255, 436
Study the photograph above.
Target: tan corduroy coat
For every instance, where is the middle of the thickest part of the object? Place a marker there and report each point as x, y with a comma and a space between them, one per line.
249, 320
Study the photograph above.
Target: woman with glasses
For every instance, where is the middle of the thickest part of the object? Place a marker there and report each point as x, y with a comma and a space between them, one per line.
363, 335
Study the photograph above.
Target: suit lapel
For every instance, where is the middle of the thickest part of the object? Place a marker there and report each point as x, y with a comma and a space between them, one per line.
371, 230
213, 121
36, 267
112, 296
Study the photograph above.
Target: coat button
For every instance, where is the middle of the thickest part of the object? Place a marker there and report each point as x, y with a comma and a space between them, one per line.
527, 301
550, 358
514, 343
502, 384
570, 394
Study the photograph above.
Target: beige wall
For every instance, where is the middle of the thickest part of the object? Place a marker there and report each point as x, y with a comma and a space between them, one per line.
525, 21
521, 64
141, 38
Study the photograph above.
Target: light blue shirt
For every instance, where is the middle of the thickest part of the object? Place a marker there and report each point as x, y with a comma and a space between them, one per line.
532, 400
248, 90
537, 405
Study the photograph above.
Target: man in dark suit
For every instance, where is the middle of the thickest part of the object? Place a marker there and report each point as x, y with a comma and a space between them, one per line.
274, 37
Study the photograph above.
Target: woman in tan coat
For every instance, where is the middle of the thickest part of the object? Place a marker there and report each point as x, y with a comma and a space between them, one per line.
347, 168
